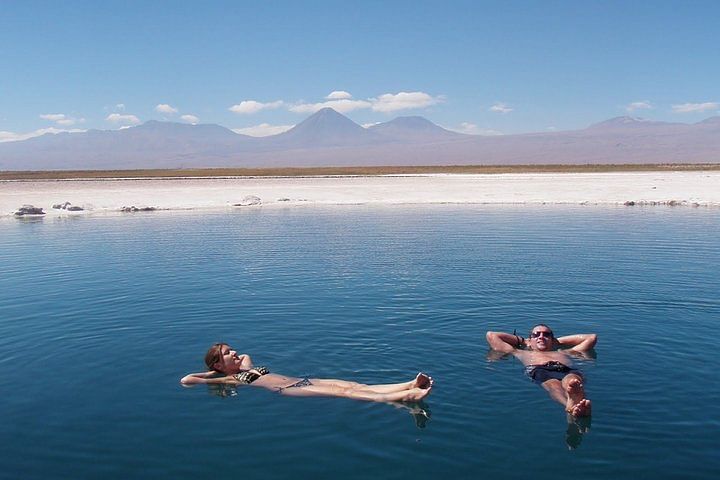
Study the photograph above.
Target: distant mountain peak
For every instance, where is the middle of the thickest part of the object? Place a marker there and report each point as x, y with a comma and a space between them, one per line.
176, 128
412, 121
328, 111
329, 116
633, 123
710, 121
156, 124
624, 120
326, 127
413, 126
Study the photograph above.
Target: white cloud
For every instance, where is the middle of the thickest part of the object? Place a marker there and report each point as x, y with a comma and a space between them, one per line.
190, 119
342, 106
251, 106
472, 129
389, 102
123, 119
61, 119
6, 136
368, 125
53, 117
120, 106
500, 107
634, 106
263, 130
338, 95
67, 122
696, 107
165, 108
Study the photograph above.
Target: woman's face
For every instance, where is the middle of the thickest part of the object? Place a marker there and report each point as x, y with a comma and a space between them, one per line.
229, 361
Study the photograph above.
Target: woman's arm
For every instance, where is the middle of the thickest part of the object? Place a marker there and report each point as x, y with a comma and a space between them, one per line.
504, 342
206, 377
581, 342
245, 361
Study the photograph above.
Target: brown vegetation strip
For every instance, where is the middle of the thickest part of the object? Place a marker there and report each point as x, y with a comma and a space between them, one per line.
344, 171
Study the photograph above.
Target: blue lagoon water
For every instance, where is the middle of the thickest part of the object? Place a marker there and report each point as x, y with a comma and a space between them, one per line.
101, 316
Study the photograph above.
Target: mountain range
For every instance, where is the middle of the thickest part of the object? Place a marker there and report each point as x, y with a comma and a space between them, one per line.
328, 138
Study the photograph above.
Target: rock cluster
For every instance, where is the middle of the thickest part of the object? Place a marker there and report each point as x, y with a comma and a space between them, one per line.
67, 206
133, 209
669, 203
29, 210
248, 201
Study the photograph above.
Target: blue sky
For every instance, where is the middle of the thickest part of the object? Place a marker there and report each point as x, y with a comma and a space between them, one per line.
476, 66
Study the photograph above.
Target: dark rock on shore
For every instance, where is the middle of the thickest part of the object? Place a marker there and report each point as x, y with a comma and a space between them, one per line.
652, 203
67, 206
133, 209
29, 210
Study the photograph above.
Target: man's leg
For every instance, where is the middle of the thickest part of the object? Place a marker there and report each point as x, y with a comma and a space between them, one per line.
556, 391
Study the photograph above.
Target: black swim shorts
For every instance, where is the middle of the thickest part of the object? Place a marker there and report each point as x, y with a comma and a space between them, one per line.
548, 371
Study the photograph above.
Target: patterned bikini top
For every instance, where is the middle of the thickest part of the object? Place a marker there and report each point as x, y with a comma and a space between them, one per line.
249, 376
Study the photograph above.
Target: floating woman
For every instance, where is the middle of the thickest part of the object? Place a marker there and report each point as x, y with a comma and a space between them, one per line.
229, 368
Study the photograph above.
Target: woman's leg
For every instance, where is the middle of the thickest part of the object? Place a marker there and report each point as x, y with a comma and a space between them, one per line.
422, 381
330, 390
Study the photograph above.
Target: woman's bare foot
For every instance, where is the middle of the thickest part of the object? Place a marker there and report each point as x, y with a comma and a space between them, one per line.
422, 381
415, 394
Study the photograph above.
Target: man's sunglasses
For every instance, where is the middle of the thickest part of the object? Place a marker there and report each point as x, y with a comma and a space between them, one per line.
541, 334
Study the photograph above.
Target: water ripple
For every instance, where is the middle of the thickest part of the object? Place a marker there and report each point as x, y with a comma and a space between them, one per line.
101, 316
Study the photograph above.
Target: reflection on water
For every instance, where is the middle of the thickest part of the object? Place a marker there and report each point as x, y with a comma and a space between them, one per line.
419, 411
220, 390
101, 316
577, 427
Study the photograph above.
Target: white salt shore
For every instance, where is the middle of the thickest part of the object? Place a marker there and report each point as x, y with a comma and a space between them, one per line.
696, 188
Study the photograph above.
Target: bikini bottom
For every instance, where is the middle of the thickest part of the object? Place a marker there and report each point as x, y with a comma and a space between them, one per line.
302, 383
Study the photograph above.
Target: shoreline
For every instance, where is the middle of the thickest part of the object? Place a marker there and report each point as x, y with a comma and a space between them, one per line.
95, 195
346, 171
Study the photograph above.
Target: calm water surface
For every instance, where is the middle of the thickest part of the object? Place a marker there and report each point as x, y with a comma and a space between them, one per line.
101, 316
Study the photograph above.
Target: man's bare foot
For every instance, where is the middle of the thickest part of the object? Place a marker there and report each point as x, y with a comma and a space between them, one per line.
576, 395
582, 409
423, 381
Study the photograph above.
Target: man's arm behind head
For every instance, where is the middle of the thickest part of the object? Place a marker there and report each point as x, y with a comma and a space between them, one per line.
580, 342
503, 342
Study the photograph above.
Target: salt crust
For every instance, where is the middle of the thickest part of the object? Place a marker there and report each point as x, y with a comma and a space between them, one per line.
695, 188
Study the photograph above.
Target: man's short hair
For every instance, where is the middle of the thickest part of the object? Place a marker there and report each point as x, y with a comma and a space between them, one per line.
541, 325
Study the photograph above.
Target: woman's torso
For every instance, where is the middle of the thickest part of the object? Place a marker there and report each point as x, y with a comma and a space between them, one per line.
274, 381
